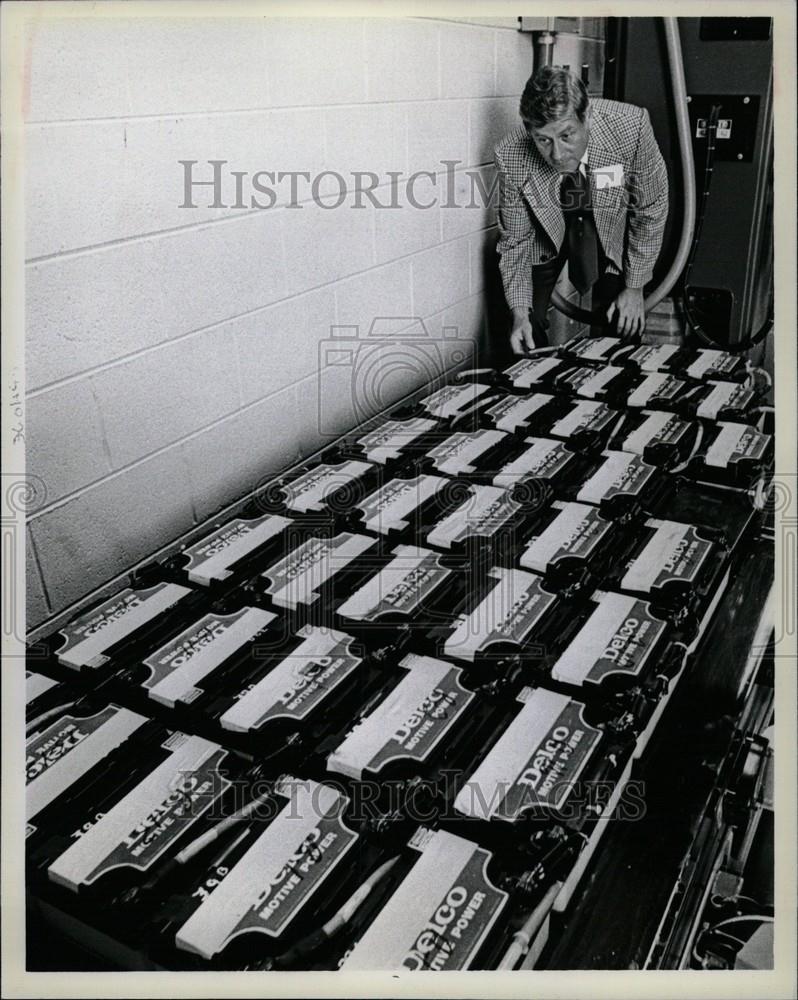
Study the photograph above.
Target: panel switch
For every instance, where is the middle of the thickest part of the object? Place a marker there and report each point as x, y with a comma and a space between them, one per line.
724, 128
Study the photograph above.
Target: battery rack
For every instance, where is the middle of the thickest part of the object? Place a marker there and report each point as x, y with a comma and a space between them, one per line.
385, 715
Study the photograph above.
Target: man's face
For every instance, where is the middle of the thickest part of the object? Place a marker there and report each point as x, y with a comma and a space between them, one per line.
561, 143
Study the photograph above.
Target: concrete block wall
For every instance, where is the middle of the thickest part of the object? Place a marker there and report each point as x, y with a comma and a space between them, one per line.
173, 353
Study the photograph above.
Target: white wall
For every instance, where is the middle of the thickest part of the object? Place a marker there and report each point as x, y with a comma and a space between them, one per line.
172, 353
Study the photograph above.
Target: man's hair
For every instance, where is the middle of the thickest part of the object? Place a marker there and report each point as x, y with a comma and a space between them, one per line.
552, 93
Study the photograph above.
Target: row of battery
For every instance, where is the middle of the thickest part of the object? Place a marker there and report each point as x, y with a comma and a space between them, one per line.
398, 692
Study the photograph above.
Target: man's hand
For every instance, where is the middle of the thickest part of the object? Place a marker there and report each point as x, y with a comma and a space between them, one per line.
629, 309
521, 338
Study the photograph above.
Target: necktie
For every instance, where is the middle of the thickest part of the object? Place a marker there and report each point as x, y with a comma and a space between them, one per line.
583, 268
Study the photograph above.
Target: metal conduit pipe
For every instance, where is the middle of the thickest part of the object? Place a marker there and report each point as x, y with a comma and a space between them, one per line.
679, 89
545, 49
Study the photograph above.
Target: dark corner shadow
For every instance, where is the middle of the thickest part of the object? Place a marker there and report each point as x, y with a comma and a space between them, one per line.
493, 349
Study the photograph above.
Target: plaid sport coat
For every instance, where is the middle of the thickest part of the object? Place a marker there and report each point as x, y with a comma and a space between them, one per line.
629, 189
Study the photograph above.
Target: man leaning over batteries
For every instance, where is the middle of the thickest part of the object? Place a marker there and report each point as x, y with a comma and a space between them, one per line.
584, 182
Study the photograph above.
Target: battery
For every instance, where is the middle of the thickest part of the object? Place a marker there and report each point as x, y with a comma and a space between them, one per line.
542, 469
452, 904
442, 914
711, 365
586, 426
675, 566
610, 383
291, 895
532, 373
183, 669
413, 590
469, 453
111, 630
733, 455
402, 506
550, 764
280, 880
147, 810
44, 697
722, 401
231, 549
294, 696
660, 391
529, 414
304, 581
600, 350
660, 438
623, 643
427, 715
624, 485
67, 757
654, 358
488, 519
456, 401
573, 545
505, 613
392, 442
324, 490
416, 740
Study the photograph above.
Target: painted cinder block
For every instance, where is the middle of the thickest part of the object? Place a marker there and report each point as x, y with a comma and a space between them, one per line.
159, 397
93, 67
367, 138
279, 346
104, 530
514, 62
467, 61
382, 293
327, 405
233, 457
402, 60
489, 122
407, 229
437, 132
440, 277
457, 330
474, 201
325, 244
37, 607
468, 318
145, 176
376, 376
64, 438
85, 310
313, 61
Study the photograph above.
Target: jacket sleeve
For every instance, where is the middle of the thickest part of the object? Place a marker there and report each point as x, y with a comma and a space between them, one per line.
648, 208
513, 246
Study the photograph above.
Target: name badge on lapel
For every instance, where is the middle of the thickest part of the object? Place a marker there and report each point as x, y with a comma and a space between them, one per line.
609, 176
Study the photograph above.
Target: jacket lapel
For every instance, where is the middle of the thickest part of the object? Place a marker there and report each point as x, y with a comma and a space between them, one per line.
602, 153
542, 192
